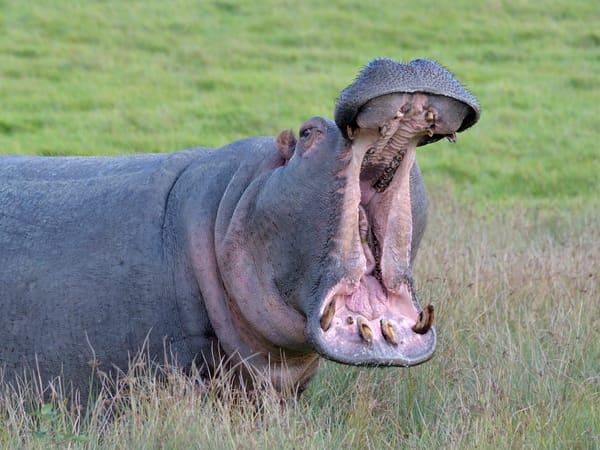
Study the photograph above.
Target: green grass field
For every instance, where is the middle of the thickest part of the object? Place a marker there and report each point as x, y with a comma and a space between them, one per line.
512, 256
113, 77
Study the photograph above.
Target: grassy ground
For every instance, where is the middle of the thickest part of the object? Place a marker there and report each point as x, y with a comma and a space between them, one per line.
511, 257
517, 365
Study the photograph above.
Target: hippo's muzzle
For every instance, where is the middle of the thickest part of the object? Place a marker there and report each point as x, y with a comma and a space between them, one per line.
372, 315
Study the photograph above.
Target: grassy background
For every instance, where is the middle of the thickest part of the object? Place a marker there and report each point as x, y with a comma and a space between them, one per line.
114, 77
510, 259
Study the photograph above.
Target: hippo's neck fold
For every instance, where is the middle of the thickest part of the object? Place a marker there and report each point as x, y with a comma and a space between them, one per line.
251, 322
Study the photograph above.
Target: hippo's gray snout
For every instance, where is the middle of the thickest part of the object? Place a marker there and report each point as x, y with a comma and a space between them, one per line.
384, 76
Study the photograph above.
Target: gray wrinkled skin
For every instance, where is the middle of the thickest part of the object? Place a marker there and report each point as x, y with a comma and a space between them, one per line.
103, 255
384, 76
90, 267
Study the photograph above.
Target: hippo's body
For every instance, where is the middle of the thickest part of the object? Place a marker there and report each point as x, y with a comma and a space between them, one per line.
270, 251
92, 264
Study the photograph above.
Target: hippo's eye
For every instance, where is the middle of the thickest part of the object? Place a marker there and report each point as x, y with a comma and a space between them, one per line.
306, 132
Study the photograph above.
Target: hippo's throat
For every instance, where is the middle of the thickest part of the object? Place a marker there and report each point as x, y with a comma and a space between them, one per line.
372, 316
402, 121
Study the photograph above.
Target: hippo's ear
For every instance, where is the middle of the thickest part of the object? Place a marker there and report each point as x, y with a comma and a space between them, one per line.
286, 143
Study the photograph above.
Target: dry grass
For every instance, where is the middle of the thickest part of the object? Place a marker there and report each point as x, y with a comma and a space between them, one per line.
518, 363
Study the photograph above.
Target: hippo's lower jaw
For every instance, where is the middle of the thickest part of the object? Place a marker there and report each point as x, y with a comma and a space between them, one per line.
362, 325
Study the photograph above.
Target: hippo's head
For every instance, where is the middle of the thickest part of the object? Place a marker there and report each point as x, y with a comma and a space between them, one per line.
318, 252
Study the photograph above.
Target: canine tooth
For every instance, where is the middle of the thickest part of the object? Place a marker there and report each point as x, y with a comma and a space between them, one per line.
364, 330
452, 138
425, 321
429, 132
429, 116
388, 332
327, 316
350, 132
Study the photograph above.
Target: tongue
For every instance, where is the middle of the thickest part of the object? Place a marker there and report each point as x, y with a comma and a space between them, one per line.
368, 300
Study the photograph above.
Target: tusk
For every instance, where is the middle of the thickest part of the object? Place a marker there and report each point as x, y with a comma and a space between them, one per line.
425, 321
350, 132
327, 316
452, 138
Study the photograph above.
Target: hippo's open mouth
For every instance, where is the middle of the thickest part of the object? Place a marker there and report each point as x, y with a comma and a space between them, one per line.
375, 318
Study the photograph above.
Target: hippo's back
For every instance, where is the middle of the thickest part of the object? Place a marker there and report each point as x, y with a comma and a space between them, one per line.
82, 261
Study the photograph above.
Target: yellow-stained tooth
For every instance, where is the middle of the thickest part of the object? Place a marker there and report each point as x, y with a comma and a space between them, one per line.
425, 321
388, 332
364, 330
327, 316
350, 132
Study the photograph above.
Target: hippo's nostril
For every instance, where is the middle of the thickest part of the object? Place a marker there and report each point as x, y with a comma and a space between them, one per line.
388, 332
425, 321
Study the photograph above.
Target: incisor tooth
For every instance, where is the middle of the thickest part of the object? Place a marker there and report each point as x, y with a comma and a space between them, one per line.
327, 316
388, 332
364, 330
425, 321
429, 116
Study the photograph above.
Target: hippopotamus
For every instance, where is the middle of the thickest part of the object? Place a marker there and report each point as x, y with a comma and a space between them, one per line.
270, 251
